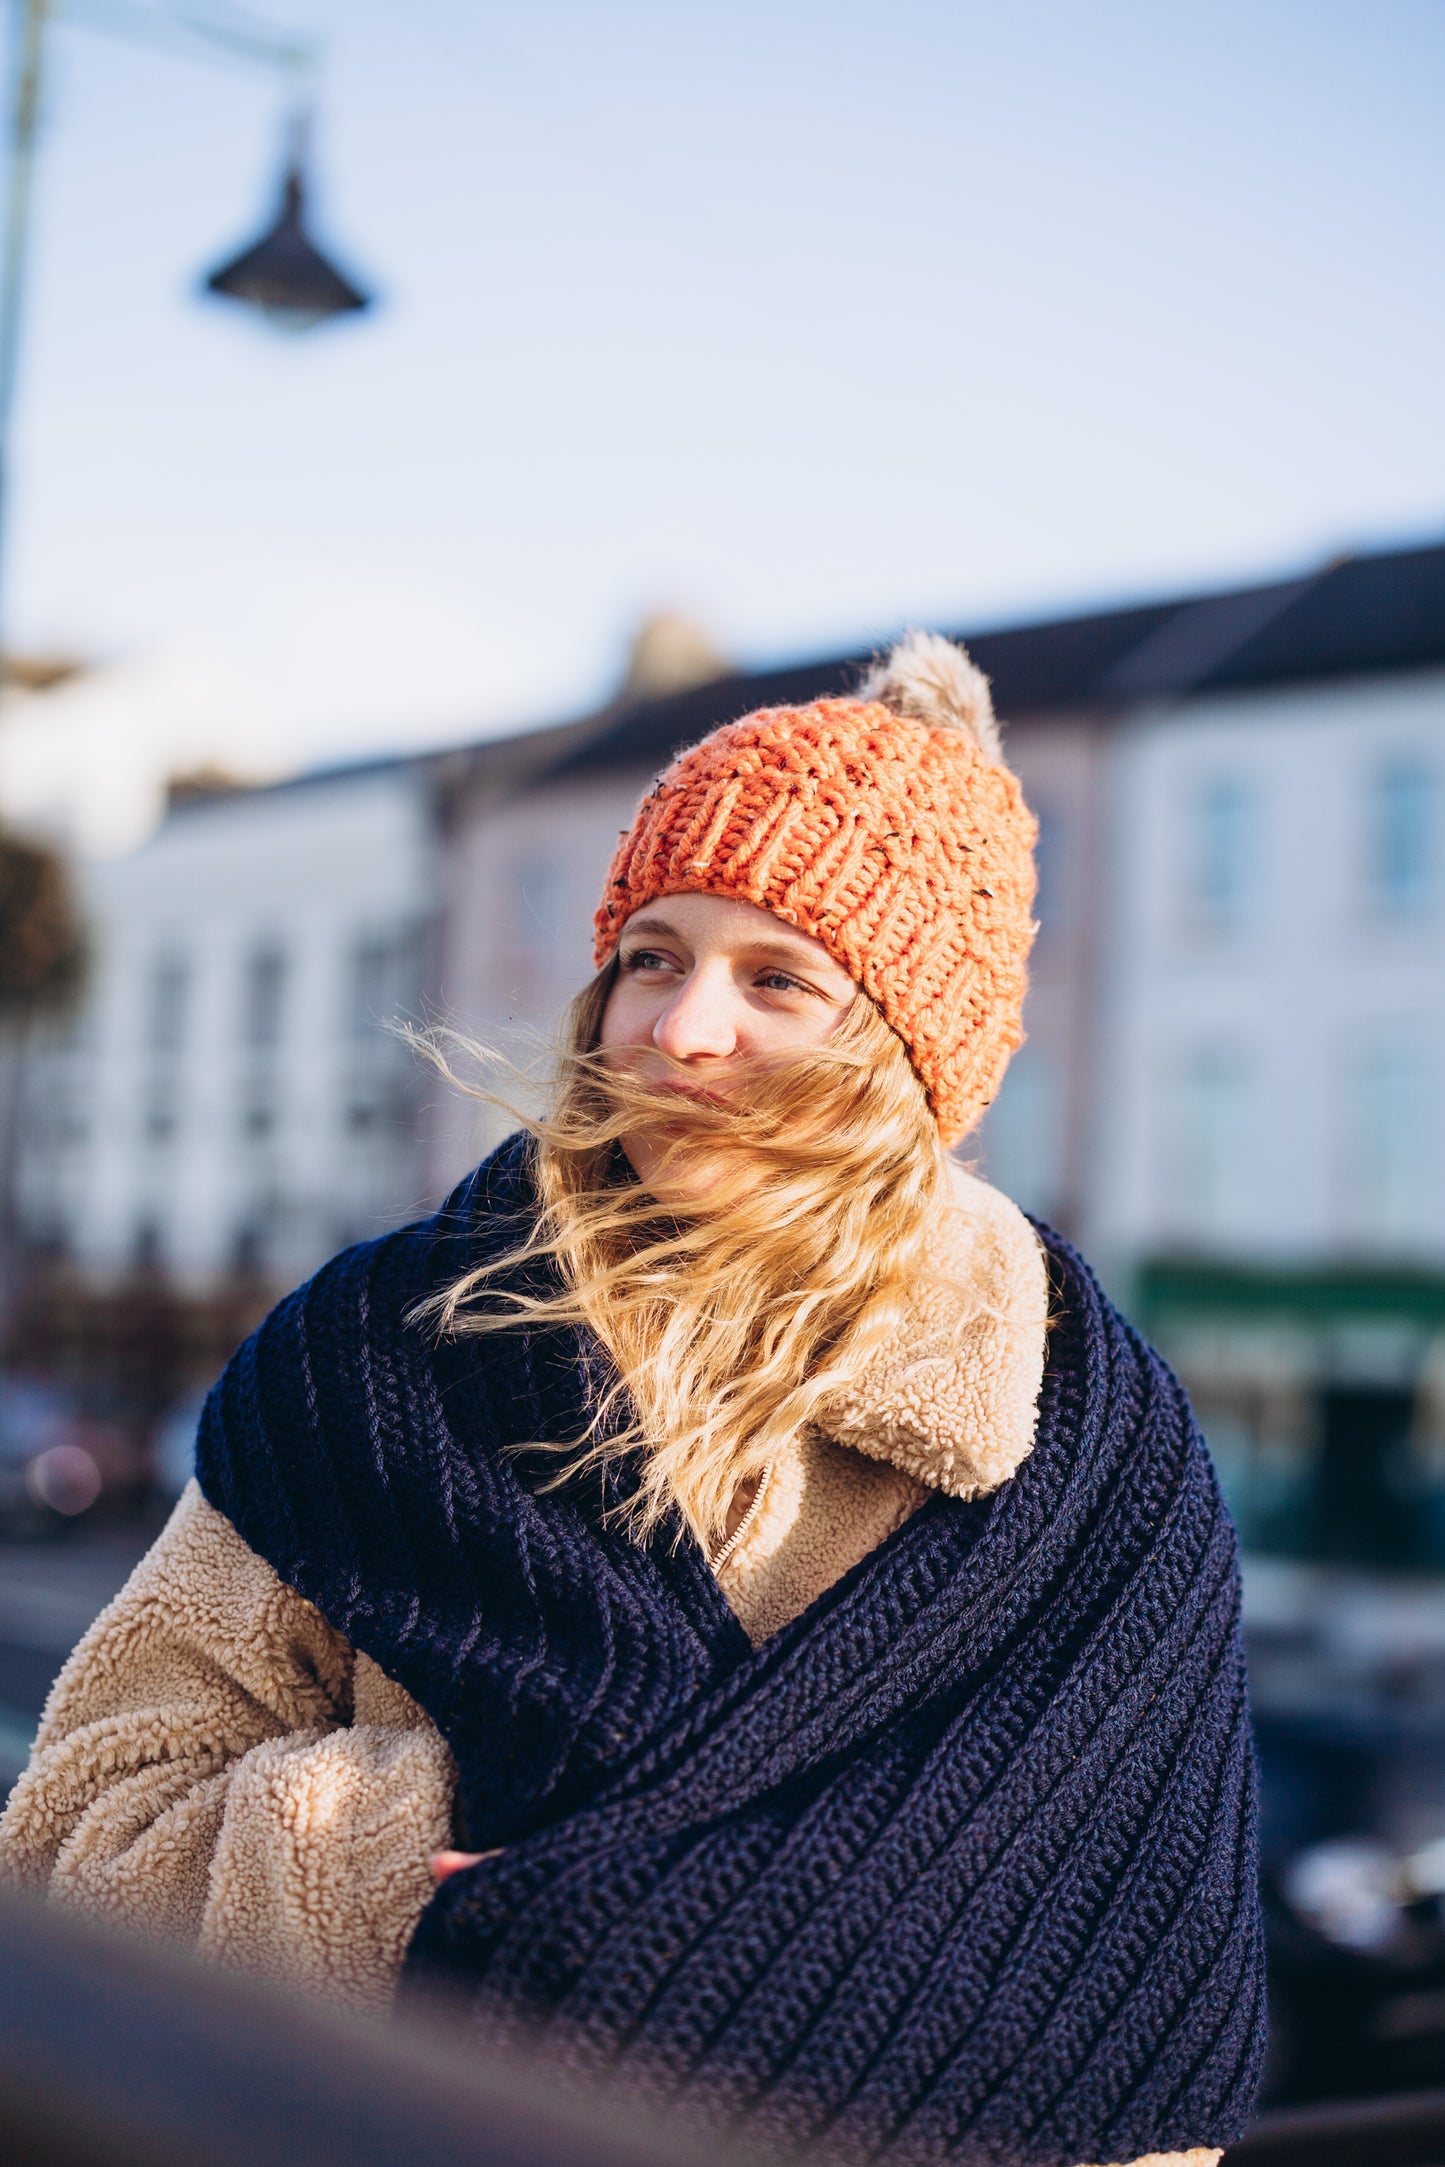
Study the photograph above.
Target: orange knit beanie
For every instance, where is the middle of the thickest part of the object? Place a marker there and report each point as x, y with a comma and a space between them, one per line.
888, 827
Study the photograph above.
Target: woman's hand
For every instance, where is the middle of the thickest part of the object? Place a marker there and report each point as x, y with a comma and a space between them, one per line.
443, 1863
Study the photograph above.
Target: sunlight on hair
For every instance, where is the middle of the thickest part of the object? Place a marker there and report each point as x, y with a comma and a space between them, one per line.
733, 1321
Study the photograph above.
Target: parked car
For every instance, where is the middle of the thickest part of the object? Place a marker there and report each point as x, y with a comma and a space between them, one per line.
58, 1460
1357, 1970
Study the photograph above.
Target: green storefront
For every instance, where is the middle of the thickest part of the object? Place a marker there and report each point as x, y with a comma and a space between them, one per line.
1322, 1394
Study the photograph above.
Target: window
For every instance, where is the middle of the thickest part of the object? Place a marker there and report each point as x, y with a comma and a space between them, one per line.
1404, 837
1364, 1511
56, 1085
1022, 1136
379, 1071
381, 986
165, 1031
1210, 1173
539, 907
170, 987
1391, 1140
263, 1004
1222, 849
1051, 859
264, 997
248, 1250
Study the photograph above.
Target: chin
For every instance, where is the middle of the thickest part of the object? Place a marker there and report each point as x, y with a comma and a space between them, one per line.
676, 1178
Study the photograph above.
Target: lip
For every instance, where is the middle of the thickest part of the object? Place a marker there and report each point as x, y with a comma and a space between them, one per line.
694, 1092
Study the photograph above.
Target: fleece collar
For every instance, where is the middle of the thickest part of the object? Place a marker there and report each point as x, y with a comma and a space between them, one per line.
960, 1417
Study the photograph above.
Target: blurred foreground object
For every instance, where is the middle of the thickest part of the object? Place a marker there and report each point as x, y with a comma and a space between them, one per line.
113, 2051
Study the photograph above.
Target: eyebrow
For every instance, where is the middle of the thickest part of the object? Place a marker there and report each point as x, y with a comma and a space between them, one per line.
650, 925
796, 956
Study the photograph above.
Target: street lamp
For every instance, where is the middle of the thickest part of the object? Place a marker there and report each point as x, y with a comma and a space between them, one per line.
283, 274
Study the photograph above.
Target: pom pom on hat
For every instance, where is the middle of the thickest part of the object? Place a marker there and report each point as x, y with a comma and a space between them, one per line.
886, 826
933, 681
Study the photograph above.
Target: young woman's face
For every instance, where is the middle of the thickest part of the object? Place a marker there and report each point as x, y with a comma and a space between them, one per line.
705, 984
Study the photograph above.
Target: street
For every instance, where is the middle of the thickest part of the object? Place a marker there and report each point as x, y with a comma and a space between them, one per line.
49, 1593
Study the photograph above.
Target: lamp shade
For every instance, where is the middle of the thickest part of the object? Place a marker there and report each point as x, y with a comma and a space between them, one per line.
284, 273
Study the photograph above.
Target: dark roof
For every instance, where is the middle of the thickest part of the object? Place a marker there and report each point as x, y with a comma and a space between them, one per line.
643, 733
499, 762
198, 792
1061, 663
1362, 614
1355, 615
1032, 668
1192, 643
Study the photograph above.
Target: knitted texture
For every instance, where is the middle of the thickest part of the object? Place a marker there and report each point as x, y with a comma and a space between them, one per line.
898, 843
957, 1866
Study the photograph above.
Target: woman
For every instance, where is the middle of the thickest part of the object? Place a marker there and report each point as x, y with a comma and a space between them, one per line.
680, 1596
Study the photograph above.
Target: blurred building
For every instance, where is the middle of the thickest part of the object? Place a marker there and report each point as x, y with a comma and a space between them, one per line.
229, 1099
1233, 1086
86, 749
1231, 1092
1270, 1132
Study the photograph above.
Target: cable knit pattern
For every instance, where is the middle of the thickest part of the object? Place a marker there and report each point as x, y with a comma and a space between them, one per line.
899, 844
162, 1791
956, 1866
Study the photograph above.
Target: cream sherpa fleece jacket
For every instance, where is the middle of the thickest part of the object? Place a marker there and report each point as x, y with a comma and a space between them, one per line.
217, 1765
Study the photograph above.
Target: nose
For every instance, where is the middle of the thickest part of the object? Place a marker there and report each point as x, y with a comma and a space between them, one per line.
698, 1022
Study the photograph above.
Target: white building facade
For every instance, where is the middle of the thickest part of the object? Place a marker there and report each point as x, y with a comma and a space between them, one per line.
1277, 1040
1268, 1186
1232, 1091
231, 1098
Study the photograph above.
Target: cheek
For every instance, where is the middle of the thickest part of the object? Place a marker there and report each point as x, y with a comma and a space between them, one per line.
810, 1026
622, 1020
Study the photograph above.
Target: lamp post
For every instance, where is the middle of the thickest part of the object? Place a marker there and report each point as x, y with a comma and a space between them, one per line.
283, 275
17, 240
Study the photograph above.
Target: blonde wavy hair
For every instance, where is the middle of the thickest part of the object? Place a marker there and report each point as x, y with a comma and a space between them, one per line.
732, 1322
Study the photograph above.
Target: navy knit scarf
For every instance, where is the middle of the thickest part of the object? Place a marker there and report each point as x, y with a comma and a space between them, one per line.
958, 1866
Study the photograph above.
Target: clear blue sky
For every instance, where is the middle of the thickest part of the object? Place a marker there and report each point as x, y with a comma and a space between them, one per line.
809, 319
